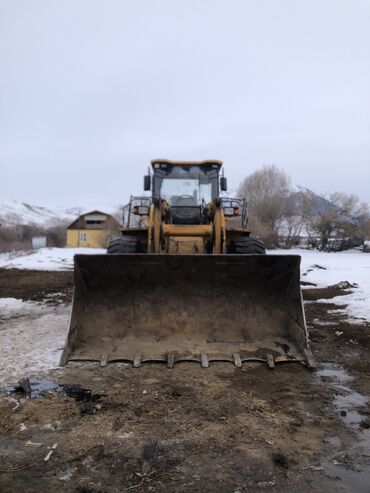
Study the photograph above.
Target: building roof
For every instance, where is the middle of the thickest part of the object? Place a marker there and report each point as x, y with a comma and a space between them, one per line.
91, 213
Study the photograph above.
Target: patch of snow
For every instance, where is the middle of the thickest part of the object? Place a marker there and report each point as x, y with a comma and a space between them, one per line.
45, 258
326, 269
31, 341
12, 307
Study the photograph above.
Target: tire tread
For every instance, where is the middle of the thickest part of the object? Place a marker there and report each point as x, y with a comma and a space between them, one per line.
123, 244
247, 246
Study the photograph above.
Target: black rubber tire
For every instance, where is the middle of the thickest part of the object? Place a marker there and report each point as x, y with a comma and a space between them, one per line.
124, 244
244, 245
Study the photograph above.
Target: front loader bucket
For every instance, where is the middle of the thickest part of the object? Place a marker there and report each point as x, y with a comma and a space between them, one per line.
171, 308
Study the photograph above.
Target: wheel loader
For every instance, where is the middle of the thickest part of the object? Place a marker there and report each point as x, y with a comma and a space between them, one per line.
186, 281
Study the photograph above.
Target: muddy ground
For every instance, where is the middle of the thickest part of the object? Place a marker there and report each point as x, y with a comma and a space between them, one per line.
191, 429
36, 285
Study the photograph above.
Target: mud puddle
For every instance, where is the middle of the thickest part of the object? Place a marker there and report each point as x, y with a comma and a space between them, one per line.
39, 388
352, 466
31, 387
347, 401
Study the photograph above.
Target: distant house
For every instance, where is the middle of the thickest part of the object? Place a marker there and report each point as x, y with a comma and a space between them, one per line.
92, 230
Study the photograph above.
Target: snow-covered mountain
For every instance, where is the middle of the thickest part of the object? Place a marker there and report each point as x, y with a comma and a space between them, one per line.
321, 204
13, 212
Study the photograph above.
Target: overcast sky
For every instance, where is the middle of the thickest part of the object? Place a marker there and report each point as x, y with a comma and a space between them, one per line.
91, 90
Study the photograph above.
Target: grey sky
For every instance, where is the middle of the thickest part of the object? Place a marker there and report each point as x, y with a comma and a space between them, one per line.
91, 90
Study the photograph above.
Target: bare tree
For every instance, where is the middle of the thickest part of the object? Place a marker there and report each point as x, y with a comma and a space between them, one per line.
267, 192
354, 218
19, 236
343, 218
349, 204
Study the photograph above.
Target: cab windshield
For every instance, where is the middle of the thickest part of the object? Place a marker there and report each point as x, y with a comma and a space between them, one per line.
184, 185
175, 189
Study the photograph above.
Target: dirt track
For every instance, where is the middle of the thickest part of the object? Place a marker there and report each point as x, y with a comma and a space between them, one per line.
34, 285
190, 429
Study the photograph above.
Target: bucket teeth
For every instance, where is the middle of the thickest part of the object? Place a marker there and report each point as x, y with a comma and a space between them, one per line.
237, 360
204, 360
270, 361
309, 358
137, 360
170, 361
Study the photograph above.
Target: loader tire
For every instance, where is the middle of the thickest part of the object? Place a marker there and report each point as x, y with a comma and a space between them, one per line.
124, 244
247, 246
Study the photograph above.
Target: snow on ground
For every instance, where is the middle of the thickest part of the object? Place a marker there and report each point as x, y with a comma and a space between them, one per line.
32, 336
352, 266
325, 269
45, 258
12, 307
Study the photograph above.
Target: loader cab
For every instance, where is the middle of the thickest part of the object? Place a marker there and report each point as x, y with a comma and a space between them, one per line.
187, 187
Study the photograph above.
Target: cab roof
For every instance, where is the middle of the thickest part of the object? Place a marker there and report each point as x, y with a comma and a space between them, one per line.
206, 162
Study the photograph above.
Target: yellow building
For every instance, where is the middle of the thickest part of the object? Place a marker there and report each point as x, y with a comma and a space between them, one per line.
92, 230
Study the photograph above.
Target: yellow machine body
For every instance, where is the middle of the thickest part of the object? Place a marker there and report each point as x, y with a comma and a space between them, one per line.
187, 298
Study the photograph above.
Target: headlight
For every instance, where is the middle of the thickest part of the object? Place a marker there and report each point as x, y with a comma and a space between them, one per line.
143, 211
231, 211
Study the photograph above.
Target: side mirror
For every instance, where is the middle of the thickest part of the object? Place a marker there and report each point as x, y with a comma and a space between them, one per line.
223, 184
147, 182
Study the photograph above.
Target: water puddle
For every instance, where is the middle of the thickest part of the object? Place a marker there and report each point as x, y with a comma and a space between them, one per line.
347, 401
350, 467
32, 388
323, 323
